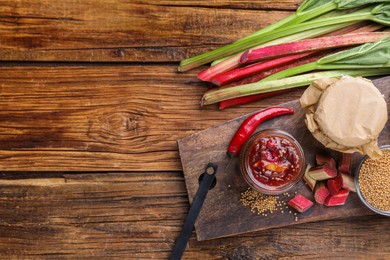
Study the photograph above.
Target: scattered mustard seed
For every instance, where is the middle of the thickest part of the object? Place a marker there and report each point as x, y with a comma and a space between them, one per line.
259, 202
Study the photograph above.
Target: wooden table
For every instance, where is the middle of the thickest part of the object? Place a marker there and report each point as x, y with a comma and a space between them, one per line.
91, 108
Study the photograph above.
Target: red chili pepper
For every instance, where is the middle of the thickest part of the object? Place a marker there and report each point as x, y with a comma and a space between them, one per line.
250, 124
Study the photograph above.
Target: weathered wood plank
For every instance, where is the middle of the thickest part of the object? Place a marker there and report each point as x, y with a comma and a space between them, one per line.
89, 118
95, 117
138, 216
122, 31
228, 4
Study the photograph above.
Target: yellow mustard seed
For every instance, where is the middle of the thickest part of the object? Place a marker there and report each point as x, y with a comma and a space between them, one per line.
260, 203
374, 181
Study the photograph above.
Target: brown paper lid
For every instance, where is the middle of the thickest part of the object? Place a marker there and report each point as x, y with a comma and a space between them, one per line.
346, 114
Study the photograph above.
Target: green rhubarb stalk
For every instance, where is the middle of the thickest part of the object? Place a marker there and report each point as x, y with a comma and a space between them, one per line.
330, 42
306, 11
362, 26
220, 94
305, 7
231, 62
379, 13
369, 55
366, 60
302, 14
315, 9
234, 61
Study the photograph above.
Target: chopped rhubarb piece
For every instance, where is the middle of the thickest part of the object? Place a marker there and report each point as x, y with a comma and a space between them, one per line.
300, 203
338, 199
321, 192
308, 179
345, 163
348, 182
335, 184
322, 159
323, 172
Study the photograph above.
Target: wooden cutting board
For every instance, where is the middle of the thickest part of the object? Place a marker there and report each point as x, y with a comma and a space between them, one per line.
223, 214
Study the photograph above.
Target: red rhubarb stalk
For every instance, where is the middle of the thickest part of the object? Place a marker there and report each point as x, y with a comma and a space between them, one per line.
239, 73
357, 28
315, 44
211, 74
259, 76
223, 66
234, 61
248, 99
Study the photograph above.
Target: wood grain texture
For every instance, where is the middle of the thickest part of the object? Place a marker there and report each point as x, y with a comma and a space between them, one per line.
223, 213
88, 118
138, 216
91, 107
123, 31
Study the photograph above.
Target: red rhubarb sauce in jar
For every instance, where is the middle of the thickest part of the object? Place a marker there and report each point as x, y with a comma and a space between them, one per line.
272, 161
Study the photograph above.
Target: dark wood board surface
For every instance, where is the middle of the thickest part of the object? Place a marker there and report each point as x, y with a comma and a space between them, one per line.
222, 213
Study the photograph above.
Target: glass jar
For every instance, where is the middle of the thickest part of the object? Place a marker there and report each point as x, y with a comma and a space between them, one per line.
272, 161
384, 174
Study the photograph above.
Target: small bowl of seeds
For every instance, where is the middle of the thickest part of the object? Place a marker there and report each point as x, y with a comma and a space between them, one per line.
372, 179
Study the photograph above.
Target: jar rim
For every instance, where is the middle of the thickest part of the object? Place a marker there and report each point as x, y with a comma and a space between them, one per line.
248, 175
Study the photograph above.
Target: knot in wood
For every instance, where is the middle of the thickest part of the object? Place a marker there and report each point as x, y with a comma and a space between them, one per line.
119, 53
119, 125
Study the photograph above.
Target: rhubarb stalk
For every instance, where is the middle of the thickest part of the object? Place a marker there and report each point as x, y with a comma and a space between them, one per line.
234, 61
307, 11
222, 79
308, 45
248, 99
243, 72
217, 95
369, 55
355, 28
